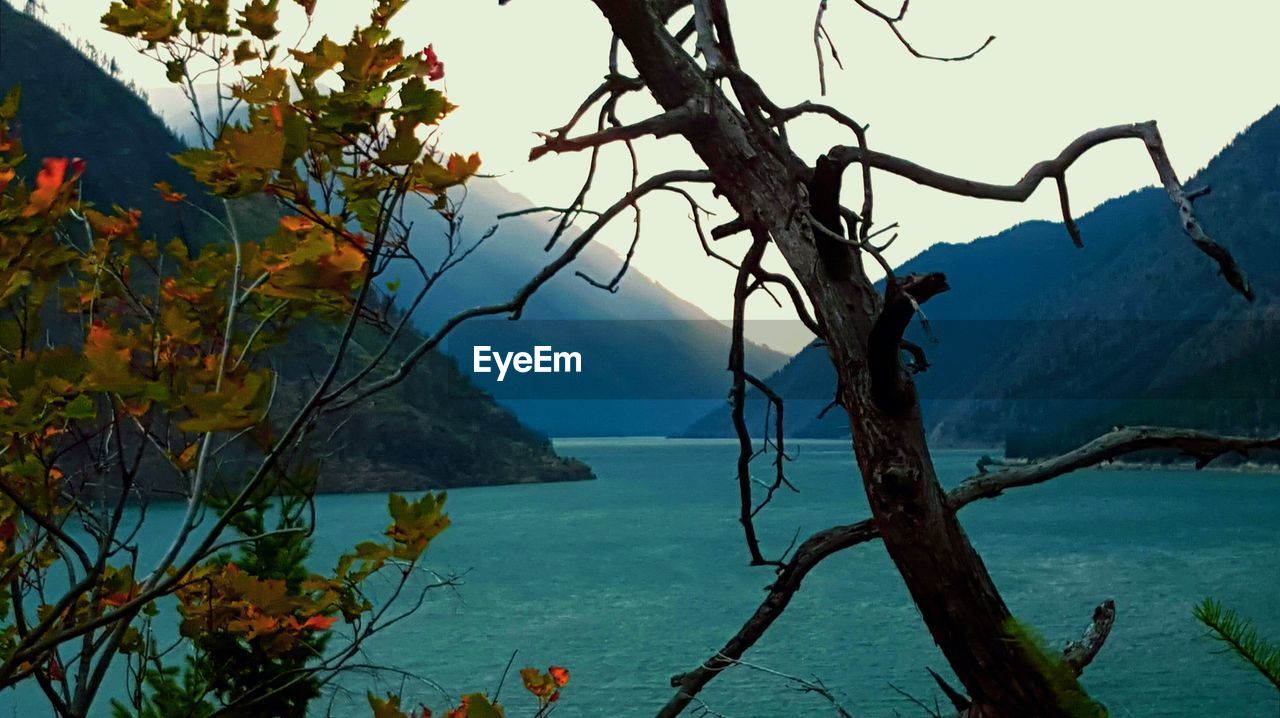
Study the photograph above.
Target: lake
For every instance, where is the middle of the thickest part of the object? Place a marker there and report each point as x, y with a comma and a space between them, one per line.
643, 574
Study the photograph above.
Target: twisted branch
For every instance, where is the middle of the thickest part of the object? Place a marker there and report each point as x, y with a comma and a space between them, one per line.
1056, 168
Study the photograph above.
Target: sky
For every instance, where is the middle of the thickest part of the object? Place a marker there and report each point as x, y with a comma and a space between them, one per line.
1056, 69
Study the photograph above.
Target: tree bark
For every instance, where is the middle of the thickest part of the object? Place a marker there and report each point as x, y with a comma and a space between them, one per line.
766, 184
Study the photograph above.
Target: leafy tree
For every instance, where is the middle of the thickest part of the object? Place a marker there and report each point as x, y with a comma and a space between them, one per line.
134, 367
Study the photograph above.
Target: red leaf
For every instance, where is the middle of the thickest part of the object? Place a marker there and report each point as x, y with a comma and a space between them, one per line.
435, 68
319, 623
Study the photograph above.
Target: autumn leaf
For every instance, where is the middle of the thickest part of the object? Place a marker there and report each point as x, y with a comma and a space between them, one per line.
109, 362
559, 675
168, 194
48, 182
319, 623
259, 148
389, 708
537, 682
464, 168
259, 18
114, 600
238, 405
187, 458
295, 223
432, 67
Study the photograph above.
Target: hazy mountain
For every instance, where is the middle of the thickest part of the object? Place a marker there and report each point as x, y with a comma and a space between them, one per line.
653, 362
435, 430
1040, 341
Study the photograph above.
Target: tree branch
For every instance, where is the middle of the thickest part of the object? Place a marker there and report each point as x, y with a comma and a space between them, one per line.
893, 20
668, 123
1081, 653
1056, 168
1204, 447
903, 297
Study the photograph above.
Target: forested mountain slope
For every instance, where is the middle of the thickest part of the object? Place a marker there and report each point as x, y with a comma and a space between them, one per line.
434, 430
1046, 343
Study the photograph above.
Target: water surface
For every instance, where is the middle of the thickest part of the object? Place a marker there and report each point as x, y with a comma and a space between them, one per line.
643, 573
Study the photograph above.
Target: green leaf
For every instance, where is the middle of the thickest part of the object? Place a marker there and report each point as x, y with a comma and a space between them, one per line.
9, 108
420, 104
80, 408
403, 149
390, 708
478, 706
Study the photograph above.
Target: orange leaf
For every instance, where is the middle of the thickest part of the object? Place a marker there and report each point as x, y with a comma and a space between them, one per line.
294, 223
188, 456
559, 675
6, 176
48, 182
168, 194
319, 623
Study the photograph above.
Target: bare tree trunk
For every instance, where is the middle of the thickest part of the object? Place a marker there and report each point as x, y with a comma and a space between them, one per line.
765, 183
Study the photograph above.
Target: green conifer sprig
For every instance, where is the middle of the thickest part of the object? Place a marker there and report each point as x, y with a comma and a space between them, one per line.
1241, 637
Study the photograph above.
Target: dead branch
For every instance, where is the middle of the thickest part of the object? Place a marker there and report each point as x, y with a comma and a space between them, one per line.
1201, 446
819, 34
738, 399
1079, 654
890, 386
892, 22
704, 25
1056, 168
613, 85
668, 123
730, 228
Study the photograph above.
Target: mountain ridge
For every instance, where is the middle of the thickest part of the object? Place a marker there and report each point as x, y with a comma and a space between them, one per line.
1135, 314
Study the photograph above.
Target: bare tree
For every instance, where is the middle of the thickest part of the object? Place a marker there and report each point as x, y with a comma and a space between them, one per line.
684, 57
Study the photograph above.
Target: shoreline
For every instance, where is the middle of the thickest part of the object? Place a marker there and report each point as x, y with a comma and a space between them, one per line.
1246, 467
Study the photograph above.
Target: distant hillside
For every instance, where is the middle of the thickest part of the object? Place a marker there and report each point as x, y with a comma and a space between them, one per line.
660, 361
435, 430
1040, 339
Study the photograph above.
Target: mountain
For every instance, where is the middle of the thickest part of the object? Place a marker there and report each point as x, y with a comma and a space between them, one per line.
434, 430
1042, 344
652, 362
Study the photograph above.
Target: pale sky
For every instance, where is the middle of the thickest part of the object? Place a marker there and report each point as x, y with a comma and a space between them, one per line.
1202, 70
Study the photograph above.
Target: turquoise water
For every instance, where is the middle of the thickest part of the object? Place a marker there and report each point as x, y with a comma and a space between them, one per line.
642, 574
